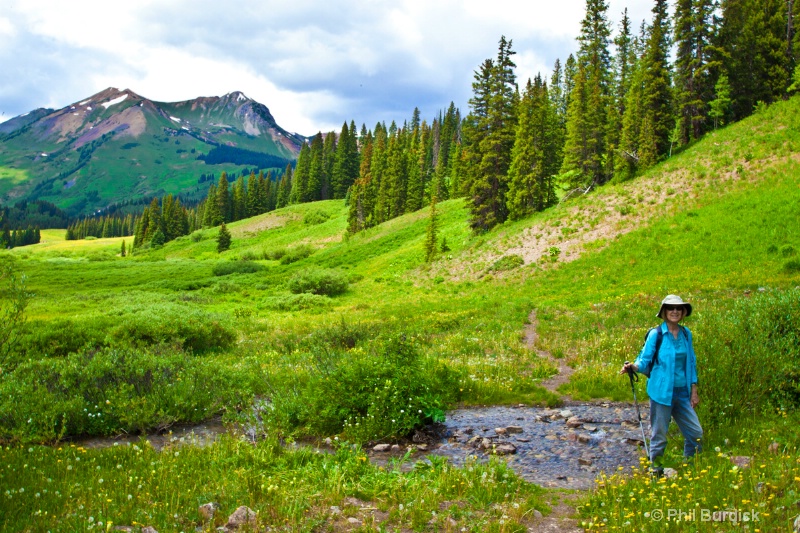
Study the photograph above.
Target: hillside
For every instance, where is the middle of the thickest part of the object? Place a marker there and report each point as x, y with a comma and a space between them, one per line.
334, 332
118, 146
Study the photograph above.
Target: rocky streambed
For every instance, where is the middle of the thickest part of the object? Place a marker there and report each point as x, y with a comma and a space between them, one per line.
566, 447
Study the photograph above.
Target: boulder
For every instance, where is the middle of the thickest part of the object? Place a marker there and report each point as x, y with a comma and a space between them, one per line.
381, 448
505, 449
574, 422
243, 516
395, 448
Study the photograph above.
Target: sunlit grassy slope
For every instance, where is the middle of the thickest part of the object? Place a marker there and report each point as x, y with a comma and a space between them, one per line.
718, 223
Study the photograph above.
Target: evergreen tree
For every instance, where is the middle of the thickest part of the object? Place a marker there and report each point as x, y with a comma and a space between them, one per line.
431, 236
301, 175
284, 188
122, 249
252, 202
721, 105
535, 155
585, 145
239, 200
693, 85
316, 171
657, 95
624, 62
223, 239
490, 134
328, 164
223, 199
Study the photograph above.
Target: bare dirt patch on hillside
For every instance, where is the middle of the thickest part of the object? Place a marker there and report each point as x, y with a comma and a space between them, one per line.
257, 225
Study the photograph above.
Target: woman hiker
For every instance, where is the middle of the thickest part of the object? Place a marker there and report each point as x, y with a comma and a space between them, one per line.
668, 359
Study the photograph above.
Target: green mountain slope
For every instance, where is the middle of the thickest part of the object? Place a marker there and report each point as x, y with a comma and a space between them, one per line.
117, 146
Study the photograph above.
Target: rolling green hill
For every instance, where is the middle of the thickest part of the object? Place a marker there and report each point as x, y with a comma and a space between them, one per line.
718, 224
118, 146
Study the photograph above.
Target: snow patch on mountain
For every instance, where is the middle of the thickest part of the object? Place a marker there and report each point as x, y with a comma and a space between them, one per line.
114, 101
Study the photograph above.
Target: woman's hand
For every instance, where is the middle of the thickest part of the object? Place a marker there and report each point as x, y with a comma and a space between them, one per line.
694, 400
628, 367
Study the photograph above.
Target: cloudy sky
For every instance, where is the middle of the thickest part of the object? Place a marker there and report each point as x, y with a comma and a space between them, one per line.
314, 63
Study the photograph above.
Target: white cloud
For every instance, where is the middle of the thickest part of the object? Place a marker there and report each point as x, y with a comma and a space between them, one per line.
314, 64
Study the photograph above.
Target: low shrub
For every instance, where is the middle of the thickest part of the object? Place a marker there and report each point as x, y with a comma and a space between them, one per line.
295, 254
318, 281
507, 262
788, 251
749, 355
295, 302
184, 326
226, 268
274, 254
387, 392
315, 216
113, 390
58, 338
792, 266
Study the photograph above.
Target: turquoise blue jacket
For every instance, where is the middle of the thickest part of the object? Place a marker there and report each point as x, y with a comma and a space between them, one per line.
660, 384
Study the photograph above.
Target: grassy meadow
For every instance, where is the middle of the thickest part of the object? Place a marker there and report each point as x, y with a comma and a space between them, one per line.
356, 338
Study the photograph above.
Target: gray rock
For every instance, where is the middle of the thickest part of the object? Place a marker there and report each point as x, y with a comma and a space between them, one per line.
381, 447
395, 447
574, 422
422, 447
514, 429
354, 520
149, 529
589, 428
742, 461
207, 510
670, 473
584, 439
335, 510
505, 449
243, 516
500, 431
797, 525
585, 461
566, 413
537, 514
485, 444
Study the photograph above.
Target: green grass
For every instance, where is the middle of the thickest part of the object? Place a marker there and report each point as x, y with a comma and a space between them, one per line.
724, 226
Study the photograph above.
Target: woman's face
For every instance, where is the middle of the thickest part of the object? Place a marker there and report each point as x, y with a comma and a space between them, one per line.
673, 313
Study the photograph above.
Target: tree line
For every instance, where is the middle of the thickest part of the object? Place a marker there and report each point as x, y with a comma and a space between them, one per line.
19, 237
101, 227
623, 102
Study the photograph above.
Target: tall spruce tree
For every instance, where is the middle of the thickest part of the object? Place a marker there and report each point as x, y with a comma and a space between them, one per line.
692, 80
534, 158
587, 115
490, 136
659, 120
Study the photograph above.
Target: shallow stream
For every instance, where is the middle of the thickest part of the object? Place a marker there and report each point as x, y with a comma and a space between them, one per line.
566, 447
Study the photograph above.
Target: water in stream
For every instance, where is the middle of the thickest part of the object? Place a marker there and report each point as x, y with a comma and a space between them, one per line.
566, 447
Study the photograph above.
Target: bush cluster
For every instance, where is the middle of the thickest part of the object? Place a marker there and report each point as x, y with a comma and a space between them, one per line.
107, 391
386, 392
315, 216
225, 268
507, 262
295, 302
749, 356
318, 281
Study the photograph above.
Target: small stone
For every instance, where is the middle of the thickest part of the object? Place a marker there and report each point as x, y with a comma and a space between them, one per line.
566, 413
505, 449
521, 439
584, 439
550, 437
500, 431
468, 431
149, 529
474, 441
797, 525
760, 487
774, 447
354, 520
422, 447
395, 447
572, 437
589, 428
670, 473
128, 529
381, 448
537, 514
335, 510
585, 461
207, 510
574, 422
742, 461
485, 444
243, 516
328, 441
514, 429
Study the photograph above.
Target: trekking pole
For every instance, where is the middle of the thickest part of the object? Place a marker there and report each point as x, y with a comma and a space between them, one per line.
635, 378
